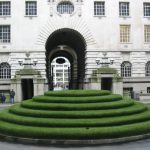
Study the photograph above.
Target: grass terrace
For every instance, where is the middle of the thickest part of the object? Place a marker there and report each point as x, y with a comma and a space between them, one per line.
76, 115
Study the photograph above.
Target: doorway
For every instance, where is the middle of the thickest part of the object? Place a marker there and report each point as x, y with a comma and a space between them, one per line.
106, 84
27, 88
70, 44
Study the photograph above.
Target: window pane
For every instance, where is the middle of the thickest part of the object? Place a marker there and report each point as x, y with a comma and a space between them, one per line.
4, 33
99, 8
126, 69
5, 71
146, 9
124, 8
147, 33
147, 69
5, 7
31, 8
65, 8
124, 33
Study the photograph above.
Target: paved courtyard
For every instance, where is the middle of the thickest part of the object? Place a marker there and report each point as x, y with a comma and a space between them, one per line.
138, 145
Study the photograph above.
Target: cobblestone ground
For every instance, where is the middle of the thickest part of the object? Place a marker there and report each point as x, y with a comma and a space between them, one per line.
138, 145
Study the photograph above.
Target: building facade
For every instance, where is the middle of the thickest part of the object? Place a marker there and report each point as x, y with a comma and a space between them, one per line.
34, 32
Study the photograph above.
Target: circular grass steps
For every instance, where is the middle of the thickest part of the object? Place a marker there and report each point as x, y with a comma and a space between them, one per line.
76, 115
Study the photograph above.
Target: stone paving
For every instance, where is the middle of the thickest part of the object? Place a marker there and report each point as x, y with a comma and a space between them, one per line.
138, 145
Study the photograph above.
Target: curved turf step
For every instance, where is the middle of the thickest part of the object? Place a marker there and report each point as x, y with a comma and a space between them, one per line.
74, 133
94, 99
133, 109
94, 122
77, 93
83, 106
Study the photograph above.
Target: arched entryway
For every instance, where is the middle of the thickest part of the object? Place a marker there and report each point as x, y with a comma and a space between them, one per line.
70, 44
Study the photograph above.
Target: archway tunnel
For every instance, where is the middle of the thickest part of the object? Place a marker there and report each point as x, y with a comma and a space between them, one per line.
70, 44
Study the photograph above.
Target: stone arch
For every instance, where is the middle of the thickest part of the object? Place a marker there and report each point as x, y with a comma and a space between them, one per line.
70, 44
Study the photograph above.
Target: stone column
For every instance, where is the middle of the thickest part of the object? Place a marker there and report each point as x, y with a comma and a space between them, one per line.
16, 86
117, 87
39, 86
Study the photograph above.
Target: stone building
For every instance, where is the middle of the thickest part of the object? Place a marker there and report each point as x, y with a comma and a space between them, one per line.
106, 42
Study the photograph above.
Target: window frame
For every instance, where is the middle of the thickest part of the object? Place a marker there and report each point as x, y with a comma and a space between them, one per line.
65, 7
28, 11
145, 10
5, 70
99, 9
127, 9
5, 34
126, 71
148, 89
147, 69
147, 33
5, 10
125, 34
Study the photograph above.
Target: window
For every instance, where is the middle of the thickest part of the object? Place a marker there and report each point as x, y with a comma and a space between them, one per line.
4, 33
65, 8
31, 8
124, 8
127, 91
126, 69
5, 71
5, 8
99, 8
148, 89
124, 33
147, 69
147, 33
146, 9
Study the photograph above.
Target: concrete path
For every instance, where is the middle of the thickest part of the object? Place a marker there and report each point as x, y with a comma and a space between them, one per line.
138, 145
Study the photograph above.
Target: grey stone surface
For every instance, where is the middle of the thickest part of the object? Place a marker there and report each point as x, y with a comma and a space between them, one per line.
138, 145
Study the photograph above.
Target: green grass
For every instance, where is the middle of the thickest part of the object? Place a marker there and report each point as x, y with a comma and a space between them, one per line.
93, 99
57, 122
82, 106
133, 109
77, 93
74, 133
76, 114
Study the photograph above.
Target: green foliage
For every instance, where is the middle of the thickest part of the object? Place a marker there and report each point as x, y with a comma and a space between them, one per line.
70, 122
76, 114
133, 109
77, 93
87, 99
82, 106
74, 133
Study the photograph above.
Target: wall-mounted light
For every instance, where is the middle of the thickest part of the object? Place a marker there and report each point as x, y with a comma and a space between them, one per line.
20, 62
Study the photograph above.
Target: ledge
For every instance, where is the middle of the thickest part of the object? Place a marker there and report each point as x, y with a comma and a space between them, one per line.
72, 142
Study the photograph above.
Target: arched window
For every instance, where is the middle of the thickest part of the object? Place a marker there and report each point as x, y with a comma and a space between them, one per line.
147, 69
5, 71
65, 7
126, 69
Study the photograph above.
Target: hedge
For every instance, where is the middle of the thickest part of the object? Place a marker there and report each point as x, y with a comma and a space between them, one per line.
136, 108
84, 106
77, 93
94, 122
93, 99
74, 133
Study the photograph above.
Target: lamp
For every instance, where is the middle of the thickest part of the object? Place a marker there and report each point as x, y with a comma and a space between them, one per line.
34, 62
20, 62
